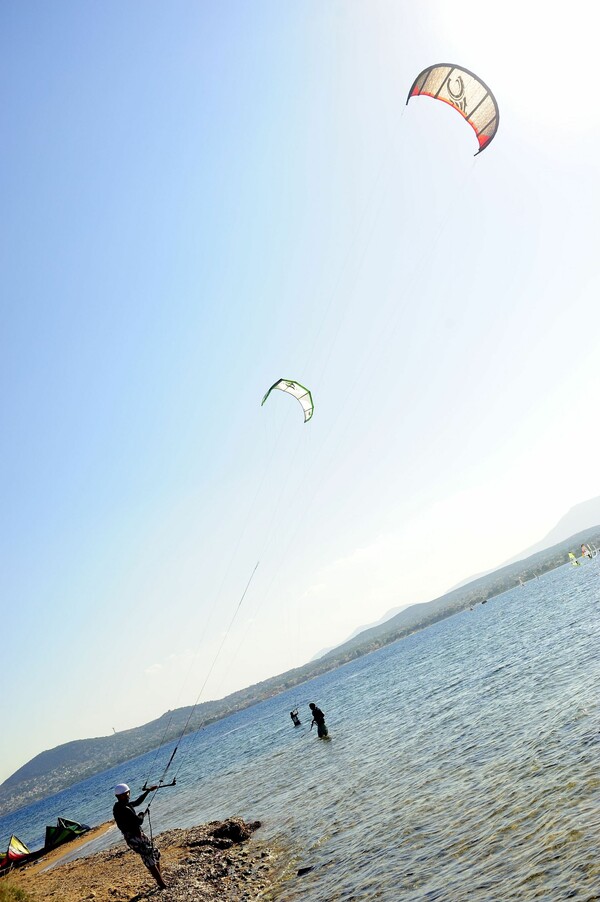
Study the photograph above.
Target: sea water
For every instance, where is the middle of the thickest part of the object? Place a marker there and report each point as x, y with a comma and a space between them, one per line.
464, 762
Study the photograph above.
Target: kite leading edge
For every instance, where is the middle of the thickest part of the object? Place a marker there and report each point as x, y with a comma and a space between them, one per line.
466, 92
298, 391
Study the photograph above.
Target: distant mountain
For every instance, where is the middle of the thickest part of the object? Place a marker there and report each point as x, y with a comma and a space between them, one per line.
60, 767
419, 616
579, 518
387, 616
324, 651
360, 629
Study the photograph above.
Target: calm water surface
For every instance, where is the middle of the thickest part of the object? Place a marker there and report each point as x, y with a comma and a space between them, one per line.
464, 762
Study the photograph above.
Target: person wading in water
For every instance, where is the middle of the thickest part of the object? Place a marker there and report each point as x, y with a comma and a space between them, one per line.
130, 825
319, 718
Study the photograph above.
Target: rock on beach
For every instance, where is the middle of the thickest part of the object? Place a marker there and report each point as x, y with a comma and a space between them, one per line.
212, 861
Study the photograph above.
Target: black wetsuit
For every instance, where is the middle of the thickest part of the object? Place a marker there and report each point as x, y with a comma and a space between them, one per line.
125, 816
319, 719
130, 825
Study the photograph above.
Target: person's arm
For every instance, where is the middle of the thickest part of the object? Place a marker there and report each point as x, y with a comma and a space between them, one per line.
143, 796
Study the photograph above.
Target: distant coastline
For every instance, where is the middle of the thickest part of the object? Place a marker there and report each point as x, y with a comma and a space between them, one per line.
69, 763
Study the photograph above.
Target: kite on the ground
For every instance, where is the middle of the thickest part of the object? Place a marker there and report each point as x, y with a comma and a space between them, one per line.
300, 392
466, 92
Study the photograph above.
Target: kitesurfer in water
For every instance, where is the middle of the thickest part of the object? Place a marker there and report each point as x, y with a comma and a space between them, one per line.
130, 823
295, 719
319, 718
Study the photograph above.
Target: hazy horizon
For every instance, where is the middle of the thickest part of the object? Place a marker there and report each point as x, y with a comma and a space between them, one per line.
197, 204
388, 615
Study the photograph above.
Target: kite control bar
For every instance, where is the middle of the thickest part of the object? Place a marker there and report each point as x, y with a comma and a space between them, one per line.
146, 788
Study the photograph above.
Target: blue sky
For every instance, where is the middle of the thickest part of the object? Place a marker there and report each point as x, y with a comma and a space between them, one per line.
198, 199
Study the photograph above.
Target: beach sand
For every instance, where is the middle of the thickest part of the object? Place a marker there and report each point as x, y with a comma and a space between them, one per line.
220, 860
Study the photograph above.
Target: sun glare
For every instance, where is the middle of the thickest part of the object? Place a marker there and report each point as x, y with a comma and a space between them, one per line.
537, 57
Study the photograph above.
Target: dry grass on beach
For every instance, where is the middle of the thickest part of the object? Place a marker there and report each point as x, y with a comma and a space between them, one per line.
216, 861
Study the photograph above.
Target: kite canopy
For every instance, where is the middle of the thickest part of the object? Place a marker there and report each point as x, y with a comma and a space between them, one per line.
300, 392
466, 92
17, 852
64, 831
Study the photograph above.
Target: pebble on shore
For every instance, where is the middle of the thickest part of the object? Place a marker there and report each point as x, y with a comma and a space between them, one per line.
209, 862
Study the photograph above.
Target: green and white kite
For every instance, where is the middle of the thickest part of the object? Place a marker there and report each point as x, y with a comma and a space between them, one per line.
300, 392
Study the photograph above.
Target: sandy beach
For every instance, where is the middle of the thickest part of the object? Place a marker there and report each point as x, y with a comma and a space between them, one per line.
222, 860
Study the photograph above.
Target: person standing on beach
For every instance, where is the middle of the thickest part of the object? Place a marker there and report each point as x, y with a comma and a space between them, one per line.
130, 823
319, 718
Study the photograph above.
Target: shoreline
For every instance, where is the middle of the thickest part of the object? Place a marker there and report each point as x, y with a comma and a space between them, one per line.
221, 860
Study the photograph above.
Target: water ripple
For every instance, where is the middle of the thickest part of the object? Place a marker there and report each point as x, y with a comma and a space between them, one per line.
464, 762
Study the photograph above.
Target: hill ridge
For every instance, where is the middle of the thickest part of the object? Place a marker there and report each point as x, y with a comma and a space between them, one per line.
64, 765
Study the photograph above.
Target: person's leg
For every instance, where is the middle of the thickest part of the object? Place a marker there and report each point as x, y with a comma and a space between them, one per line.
152, 862
149, 855
155, 871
